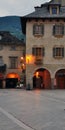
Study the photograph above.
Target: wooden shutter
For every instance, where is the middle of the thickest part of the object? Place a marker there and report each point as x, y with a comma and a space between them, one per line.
43, 51
54, 52
62, 52
63, 29
34, 29
42, 31
54, 30
33, 51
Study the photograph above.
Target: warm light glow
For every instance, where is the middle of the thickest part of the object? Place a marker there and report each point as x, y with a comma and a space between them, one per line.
29, 59
23, 66
12, 75
21, 58
37, 74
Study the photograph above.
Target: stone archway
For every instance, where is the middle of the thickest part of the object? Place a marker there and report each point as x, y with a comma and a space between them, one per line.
42, 79
60, 79
12, 79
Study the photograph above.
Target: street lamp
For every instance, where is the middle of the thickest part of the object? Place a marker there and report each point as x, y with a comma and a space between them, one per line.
22, 64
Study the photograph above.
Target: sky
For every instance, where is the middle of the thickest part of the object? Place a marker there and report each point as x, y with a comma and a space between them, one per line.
18, 7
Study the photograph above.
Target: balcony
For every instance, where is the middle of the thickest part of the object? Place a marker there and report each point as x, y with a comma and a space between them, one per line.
38, 60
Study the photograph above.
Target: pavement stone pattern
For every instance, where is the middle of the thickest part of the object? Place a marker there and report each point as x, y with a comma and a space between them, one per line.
32, 110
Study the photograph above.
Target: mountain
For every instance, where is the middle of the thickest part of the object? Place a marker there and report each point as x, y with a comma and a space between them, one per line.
13, 25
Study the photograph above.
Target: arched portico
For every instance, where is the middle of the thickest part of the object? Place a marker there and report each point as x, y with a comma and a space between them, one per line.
42, 79
60, 79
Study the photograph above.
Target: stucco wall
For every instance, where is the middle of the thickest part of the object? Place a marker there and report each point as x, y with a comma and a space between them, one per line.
48, 41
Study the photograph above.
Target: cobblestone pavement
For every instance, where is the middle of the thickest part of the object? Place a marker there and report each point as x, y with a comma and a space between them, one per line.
32, 110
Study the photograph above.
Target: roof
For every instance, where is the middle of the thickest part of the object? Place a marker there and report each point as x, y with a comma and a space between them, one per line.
43, 11
8, 39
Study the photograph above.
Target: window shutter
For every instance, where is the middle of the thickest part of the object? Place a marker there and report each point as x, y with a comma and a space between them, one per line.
54, 30
42, 30
33, 29
63, 30
53, 52
62, 52
43, 51
33, 51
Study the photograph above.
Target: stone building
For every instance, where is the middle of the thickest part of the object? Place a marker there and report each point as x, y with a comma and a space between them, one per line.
11, 53
45, 46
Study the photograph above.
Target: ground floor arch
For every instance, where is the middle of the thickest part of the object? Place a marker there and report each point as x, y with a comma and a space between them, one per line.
60, 79
12, 79
42, 79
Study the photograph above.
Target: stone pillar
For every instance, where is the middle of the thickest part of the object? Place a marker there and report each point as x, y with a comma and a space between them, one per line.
29, 80
52, 83
4, 83
29, 83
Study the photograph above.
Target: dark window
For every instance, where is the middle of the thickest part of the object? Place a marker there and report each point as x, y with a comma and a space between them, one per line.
58, 30
54, 10
13, 62
13, 48
1, 47
38, 30
1, 61
38, 51
58, 52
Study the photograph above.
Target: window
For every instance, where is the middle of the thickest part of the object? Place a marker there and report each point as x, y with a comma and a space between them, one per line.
1, 47
58, 52
13, 48
58, 30
38, 51
54, 10
1, 61
38, 30
13, 62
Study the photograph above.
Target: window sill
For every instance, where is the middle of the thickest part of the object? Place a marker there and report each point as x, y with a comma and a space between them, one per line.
12, 68
58, 57
59, 36
38, 35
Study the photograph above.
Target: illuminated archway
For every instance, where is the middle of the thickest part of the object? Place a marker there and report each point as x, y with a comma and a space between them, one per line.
11, 80
42, 79
60, 79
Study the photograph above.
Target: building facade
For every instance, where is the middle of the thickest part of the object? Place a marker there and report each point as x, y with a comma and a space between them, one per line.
11, 56
45, 46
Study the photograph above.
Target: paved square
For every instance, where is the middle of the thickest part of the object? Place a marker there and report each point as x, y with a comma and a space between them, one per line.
32, 110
